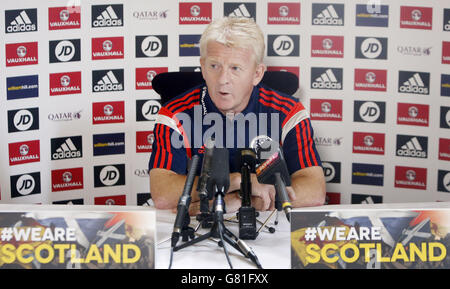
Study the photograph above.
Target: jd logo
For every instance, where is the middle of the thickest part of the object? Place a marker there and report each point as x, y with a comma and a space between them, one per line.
109, 175
23, 119
151, 46
65, 51
283, 45
25, 185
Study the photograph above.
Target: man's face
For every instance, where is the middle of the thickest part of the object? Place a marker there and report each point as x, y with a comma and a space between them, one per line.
230, 74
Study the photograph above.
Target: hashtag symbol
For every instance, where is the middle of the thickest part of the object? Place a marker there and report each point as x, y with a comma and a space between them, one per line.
310, 234
7, 234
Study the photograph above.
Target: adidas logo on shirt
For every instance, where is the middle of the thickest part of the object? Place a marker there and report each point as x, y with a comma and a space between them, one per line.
414, 82
107, 15
66, 148
326, 78
412, 146
328, 14
20, 20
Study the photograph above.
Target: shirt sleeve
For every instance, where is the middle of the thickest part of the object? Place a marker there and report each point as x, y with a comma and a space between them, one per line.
164, 154
299, 148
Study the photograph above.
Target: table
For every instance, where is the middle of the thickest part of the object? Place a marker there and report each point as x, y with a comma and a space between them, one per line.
272, 249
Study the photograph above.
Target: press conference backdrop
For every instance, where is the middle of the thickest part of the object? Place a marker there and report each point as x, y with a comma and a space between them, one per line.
78, 106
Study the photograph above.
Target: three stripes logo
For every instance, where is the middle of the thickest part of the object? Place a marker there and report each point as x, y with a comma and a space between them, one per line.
414, 82
247, 10
326, 78
328, 14
412, 146
107, 80
107, 15
22, 20
66, 148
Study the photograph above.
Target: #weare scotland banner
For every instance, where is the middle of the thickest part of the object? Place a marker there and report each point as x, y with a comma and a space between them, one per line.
371, 239
72, 239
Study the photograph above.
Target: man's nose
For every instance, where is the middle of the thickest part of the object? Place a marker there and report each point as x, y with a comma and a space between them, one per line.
224, 76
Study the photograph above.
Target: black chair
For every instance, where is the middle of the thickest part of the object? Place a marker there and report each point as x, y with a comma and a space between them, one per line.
171, 84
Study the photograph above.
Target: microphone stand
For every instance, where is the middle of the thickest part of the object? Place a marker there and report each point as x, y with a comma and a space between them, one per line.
218, 230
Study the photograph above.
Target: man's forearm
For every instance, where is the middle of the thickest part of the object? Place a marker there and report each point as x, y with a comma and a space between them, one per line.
309, 188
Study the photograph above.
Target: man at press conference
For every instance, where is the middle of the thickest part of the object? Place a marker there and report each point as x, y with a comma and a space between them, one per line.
231, 58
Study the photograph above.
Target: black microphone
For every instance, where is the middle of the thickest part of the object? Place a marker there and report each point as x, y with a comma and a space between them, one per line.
202, 188
274, 171
219, 180
204, 192
246, 213
185, 201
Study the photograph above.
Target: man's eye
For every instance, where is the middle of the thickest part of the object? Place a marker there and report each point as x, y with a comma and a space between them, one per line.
236, 68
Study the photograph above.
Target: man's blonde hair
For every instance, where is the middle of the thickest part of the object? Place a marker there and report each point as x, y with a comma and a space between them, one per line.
235, 32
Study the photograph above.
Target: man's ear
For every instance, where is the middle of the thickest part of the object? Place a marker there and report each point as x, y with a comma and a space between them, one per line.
259, 73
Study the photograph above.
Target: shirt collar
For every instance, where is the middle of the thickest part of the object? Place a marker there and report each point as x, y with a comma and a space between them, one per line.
209, 106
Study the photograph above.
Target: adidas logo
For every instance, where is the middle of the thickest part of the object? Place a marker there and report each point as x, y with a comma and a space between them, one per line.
107, 18
328, 16
414, 84
67, 150
327, 80
108, 82
22, 23
412, 148
241, 11
368, 200
447, 26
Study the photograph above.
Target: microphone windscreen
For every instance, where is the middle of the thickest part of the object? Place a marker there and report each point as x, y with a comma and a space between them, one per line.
220, 170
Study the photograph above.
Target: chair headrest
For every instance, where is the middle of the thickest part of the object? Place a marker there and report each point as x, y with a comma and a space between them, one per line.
171, 84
